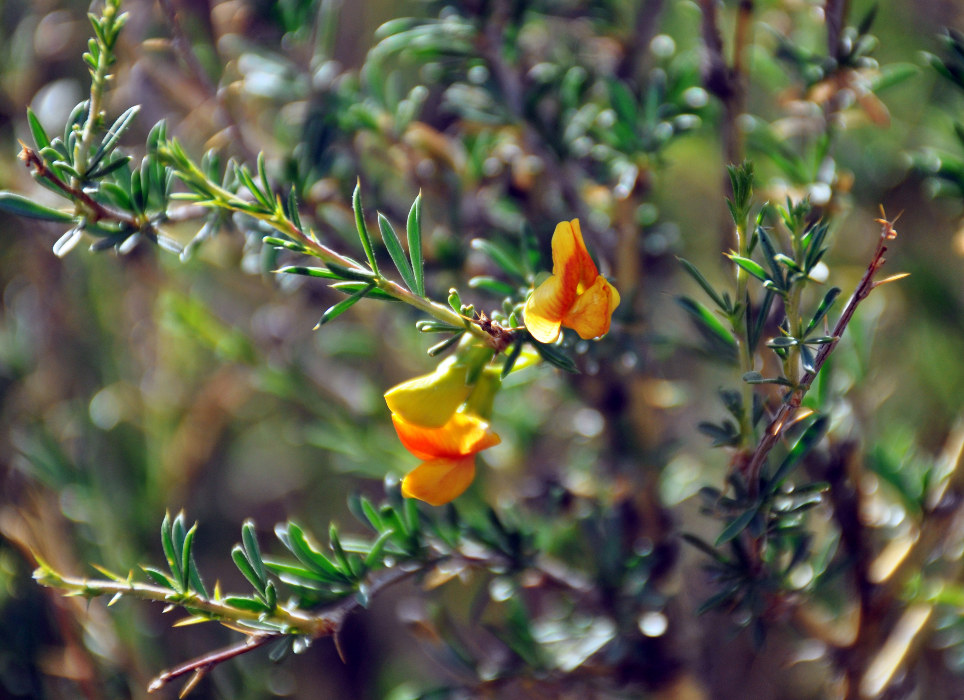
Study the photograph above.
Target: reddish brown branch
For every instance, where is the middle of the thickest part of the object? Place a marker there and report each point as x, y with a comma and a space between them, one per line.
182, 44
96, 210
788, 410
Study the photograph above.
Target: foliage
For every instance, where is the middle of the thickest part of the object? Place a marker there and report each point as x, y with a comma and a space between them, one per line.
476, 128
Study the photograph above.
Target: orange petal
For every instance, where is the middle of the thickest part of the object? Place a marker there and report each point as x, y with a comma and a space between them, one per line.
570, 261
591, 314
439, 481
587, 268
461, 436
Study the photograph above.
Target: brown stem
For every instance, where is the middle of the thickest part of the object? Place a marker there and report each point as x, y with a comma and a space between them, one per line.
835, 13
205, 663
95, 210
637, 44
185, 49
728, 82
788, 410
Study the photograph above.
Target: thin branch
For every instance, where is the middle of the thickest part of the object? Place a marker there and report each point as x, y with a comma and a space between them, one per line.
182, 44
205, 663
835, 12
95, 210
637, 43
788, 410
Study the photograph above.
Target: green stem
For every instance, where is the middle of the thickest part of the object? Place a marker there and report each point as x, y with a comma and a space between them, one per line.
188, 172
292, 621
99, 77
738, 325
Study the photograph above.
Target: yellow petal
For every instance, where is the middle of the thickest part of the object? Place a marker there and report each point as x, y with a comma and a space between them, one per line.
430, 400
591, 314
544, 311
439, 481
462, 435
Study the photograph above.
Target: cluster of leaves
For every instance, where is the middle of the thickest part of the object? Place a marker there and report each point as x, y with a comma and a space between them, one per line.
765, 513
319, 585
946, 170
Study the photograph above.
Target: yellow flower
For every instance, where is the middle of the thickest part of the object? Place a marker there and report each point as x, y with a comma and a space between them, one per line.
575, 296
430, 400
448, 453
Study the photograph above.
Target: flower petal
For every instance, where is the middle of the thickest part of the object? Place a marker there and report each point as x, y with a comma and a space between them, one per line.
544, 310
591, 314
439, 481
430, 400
461, 436
588, 272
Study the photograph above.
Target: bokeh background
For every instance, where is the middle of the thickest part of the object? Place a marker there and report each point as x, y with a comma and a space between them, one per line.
138, 384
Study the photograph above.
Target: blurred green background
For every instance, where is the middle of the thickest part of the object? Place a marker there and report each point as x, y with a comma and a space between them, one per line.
133, 385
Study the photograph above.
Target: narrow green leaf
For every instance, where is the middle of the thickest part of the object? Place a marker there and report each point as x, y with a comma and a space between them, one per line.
263, 174
394, 247
167, 544
292, 212
782, 341
492, 286
366, 240
19, 205
335, 544
511, 358
707, 320
247, 604
371, 514
501, 257
737, 525
702, 281
186, 547
309, 556
249, 538
282, 243
432, 326
811, 436
159, 577
244, 566
750, 266
754, 329
705, 547
341, 307
322, 272
414, 231
117, 129
828, 299
444, 345
355, 287
757, 378
717, 600
412, 519
351, 273
40, 137
770, 254
555, 357
111, 166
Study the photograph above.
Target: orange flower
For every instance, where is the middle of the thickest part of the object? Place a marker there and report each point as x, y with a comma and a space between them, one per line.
575, 296
449, 454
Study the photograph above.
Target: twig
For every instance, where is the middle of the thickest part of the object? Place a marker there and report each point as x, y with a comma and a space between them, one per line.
728, 82
835, 12
637, 43
788, 410
97, 211
186, 51
205, 663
